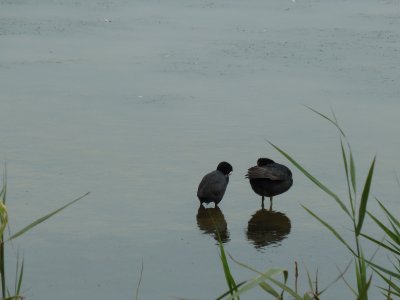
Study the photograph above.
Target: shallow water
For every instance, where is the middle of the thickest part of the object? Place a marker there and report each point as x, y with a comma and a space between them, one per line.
136, 100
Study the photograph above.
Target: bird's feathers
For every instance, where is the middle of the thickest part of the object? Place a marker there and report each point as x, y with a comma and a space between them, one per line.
271, 171
213, 185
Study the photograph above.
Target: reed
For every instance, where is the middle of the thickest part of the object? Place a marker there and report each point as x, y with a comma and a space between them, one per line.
354, 207
5, 291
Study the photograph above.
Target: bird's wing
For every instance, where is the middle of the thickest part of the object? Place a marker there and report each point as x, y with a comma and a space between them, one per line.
212, 185
271, 172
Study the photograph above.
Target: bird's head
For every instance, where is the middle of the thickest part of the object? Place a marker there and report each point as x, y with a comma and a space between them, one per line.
225, 168
264, 161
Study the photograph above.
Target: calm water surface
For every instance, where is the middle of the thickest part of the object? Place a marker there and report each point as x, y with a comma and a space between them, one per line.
136, 100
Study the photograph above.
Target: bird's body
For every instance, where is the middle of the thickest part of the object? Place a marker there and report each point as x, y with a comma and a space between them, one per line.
269, 178
213, 185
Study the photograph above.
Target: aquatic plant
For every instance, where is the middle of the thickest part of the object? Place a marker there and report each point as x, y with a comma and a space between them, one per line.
5, 292
355, 208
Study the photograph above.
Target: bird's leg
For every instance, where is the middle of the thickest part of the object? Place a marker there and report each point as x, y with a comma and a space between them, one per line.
262, 201
270, 203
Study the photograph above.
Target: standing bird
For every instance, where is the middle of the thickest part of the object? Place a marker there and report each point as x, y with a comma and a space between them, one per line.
269, 178
212, 187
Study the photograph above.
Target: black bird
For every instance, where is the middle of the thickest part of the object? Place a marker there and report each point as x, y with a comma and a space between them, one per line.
269, 178
213, 185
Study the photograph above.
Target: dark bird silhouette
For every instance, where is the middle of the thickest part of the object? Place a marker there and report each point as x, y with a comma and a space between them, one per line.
213, 185
269, 179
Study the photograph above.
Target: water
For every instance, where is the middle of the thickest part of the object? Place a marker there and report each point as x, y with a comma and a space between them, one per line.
136, 100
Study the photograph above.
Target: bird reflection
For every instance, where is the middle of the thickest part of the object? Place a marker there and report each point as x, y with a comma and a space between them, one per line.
212, 219
267, 227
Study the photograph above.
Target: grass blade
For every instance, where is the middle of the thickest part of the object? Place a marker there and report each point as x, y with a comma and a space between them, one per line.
381, 244
257, 280
353, 172
331, 229
364, 293
364, 198
228, 275
387, 271
42, 219
340, 276
346, 169
393, 236
310, 285
313, 179
140, 281
3, 218
228, 292
287, 289
269, 289
391, 284
334, 122
3, 193
391, 217
361, 276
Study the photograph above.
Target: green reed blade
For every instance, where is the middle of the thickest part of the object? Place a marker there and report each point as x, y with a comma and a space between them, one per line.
391, 217
331, 229
313, 179
392, 235
353, 173
308, 297
226, 293
140, 281
340, 276
269, 289
286, 288
245, 266
364, 293
346, 169
3, 218
361, 276
387, 271
348, 284
42, 219
395, 231
310, 285
228, 275
364, 198
390, 282
3, 193
395, 246
21, 274
334, 122
381, 244
285, 273
250, 284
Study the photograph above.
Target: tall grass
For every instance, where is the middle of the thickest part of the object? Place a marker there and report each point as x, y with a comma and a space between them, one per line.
5, 292
354, 207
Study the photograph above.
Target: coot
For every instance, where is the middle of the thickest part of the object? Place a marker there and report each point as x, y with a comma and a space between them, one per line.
269, 178
213, 185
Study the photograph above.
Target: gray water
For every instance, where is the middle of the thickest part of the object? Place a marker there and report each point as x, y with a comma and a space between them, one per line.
135, 101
